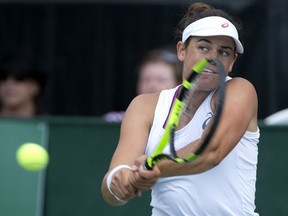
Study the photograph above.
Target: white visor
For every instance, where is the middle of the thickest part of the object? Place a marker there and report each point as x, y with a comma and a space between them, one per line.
213, 26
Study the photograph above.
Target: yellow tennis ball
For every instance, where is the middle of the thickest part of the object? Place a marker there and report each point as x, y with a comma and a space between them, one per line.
32, 157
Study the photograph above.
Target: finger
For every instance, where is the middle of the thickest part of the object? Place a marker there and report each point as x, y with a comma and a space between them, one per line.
145, 179
139, 161
139, 182
150, 174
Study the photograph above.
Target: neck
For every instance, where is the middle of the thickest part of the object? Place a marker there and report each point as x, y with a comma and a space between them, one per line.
23, 111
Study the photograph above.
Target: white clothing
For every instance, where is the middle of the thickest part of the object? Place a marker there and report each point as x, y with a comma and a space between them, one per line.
225, 190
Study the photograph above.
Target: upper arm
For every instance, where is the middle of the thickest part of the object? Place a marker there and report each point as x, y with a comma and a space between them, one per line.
135, 129
239, 115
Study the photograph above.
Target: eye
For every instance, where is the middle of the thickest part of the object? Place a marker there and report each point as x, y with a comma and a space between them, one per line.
224, 53
203, 48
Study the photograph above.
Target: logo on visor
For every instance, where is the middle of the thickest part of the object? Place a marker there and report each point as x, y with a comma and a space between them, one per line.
225, 25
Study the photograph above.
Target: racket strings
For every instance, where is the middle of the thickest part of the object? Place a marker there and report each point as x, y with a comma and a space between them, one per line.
189, 107
218, 112
193, 99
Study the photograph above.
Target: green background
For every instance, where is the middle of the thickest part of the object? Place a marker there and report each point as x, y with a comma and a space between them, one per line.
21, 192
80, 151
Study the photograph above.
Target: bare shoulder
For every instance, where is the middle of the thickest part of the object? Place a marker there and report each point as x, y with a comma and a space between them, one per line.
144, 101
242, 101
241, 87
142, 107
239, 81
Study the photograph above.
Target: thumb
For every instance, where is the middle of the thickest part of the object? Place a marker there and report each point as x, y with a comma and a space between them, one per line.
140, 161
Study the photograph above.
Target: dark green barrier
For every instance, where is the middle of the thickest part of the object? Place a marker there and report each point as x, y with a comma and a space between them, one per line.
20, 190
80, 151
272, 178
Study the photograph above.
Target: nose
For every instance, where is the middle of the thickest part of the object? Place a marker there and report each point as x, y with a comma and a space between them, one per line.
212, 54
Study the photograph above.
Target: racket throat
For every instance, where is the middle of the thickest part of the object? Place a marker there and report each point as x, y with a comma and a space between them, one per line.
172, 142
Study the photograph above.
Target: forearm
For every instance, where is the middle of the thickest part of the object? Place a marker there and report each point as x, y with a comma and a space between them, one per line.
202, 163
170, 168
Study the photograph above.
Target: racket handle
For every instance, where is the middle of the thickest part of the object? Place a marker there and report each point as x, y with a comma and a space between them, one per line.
146, 166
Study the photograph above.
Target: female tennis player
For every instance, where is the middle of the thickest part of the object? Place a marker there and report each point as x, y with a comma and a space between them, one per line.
221, 181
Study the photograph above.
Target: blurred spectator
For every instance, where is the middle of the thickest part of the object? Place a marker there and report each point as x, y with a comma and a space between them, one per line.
21, 91
159, 69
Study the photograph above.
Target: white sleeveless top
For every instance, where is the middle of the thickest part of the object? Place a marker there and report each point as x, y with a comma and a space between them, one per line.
225, 190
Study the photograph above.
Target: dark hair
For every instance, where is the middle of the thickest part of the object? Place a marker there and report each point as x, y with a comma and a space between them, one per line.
162, 55
198, 11
22, 73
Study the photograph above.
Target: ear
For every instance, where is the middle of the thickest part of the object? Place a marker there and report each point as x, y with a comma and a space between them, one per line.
181, 50
232, 64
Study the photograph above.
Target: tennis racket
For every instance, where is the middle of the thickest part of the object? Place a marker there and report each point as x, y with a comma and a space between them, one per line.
189, 85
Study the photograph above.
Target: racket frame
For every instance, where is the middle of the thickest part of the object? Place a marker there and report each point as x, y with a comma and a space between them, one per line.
176, 111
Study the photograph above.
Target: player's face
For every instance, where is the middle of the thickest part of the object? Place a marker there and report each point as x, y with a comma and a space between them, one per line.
220, 47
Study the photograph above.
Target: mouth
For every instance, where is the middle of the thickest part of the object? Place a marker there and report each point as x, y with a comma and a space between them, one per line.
207, 70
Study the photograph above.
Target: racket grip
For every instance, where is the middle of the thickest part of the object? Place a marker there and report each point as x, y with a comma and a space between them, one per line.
146, 166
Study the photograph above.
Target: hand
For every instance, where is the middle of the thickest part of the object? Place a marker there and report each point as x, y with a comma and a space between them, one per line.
143, 179
121, 187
